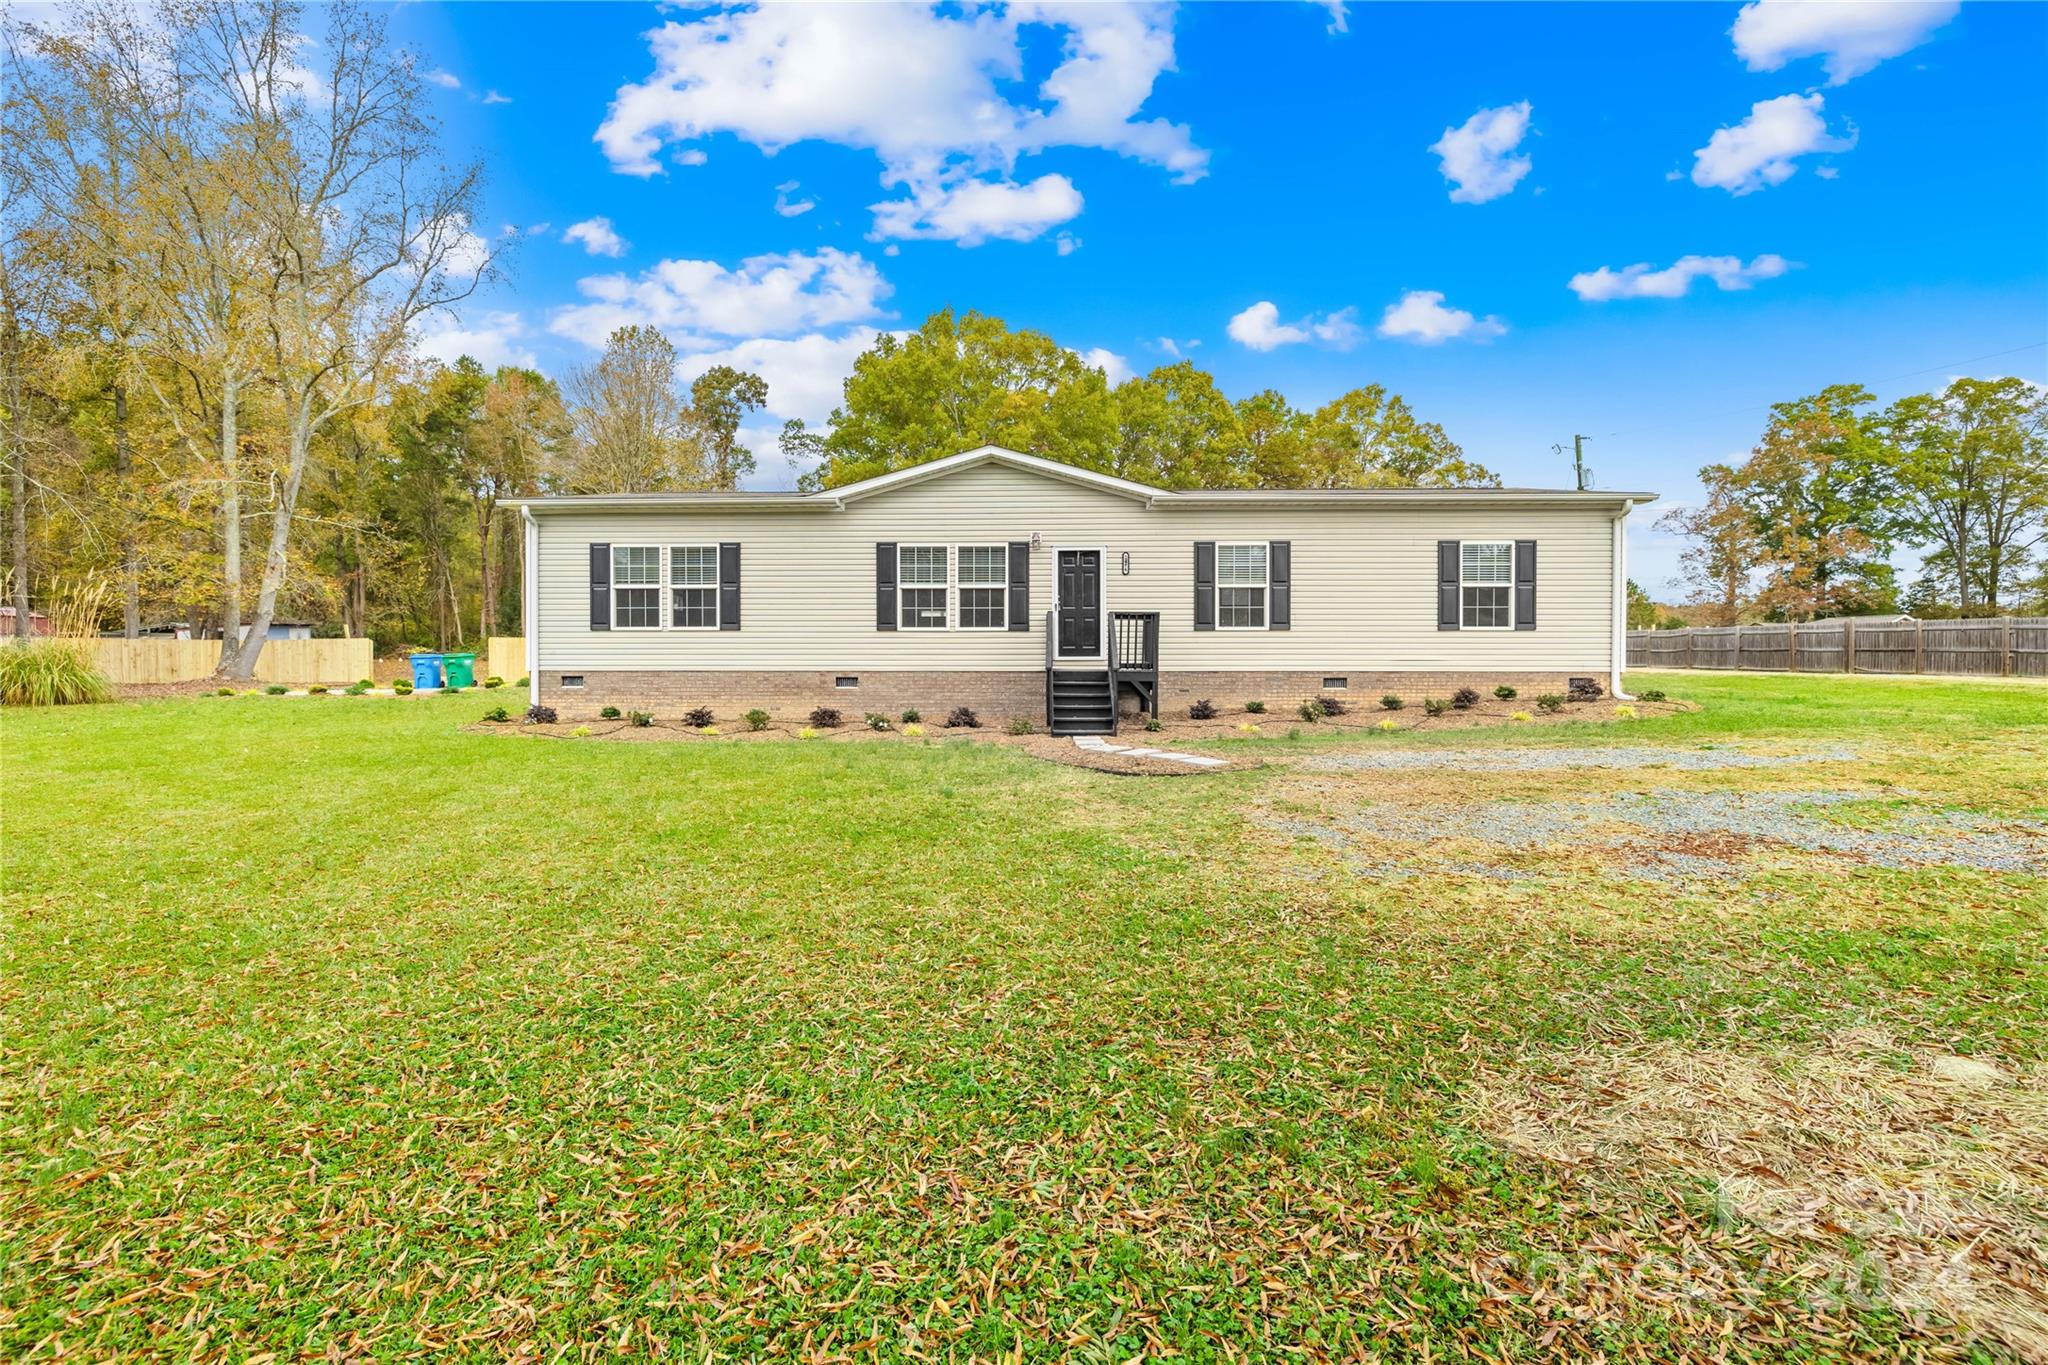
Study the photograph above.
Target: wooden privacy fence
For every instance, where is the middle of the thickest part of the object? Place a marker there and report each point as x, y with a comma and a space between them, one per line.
2002, 647
505, 657
175, 661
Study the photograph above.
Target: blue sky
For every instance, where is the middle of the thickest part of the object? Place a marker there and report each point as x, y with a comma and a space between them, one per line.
1445, 199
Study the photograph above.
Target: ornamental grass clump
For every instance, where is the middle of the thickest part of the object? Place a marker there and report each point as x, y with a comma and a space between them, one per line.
49, 672
317, 690
1521, 715
1624, 713
1257, 708
1434, 706
402, 688
1389, 725
494, 682
497, 715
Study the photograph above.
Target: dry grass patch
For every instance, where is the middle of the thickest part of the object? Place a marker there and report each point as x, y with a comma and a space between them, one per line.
1907, 1173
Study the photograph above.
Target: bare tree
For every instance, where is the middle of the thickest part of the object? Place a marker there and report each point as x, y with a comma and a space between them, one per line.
633, 430
363, 232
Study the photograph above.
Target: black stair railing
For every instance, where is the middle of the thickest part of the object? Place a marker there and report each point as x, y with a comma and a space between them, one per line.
1136, 635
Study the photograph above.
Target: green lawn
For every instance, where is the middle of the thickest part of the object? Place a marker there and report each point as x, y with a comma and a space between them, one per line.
331, 1028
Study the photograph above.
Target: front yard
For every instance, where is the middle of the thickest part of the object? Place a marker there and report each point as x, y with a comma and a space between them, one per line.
334, 1029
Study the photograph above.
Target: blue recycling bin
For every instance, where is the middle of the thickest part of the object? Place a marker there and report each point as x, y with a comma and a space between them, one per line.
426, 671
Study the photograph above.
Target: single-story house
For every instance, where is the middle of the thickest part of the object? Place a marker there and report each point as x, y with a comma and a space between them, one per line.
38, 624
1024, 587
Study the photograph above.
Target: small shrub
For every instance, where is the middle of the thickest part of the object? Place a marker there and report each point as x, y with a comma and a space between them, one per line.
1153, 724
522, 682
402, 688
707, 729
366, 683
356, 689
581, 732
1246, 727
1389, 725
1390, 702
276, 690
1202, 710
1310, 710
1584, 689
807, 733
494, 682
963, 718
1465, 698
1294, 732
1434, 706
50, 673
450, 690
1624, 713
1550, 702
223, 691
540, 715
1504, 692
825, 717
910, 716
608, 713
877, 721
1019, 725
1257, 708
1332, 706
498, 714
757, 719
912, 729
1650, 694
698, 717
1520, 715
317, 690
639, 720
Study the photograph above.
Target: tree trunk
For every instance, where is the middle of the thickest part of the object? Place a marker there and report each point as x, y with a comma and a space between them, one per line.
231, 535
280, 537
487, 609
17, 529
131, 570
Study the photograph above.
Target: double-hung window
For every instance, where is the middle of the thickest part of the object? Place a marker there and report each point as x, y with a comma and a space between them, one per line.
984, 573
1241, 586
693, 586
921, 587
1486, 585
636, 587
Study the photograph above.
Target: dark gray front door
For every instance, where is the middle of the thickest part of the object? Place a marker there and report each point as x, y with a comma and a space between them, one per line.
1080, 592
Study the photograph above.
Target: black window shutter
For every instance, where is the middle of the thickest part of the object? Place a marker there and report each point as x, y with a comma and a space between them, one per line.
1205, 585
1279, 574
1020, 585
885, 585
728, 586
1525, 585
1447, 584
601, 587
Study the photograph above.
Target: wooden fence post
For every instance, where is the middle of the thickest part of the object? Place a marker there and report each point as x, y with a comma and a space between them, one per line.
1791, 646
1919, 645
2005, 646
1848, 644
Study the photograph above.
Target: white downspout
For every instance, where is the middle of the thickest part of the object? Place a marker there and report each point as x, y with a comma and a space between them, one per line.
529, 605
1619, 656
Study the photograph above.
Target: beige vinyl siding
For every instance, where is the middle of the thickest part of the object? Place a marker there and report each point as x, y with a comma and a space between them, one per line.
1364, 581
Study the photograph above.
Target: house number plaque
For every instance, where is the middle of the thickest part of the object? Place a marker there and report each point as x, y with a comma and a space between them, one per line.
1126, 564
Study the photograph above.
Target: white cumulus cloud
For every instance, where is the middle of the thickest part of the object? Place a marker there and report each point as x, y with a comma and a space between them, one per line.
1763, 149
973, 211
791, 208
447, 80
1259, 328
1852, 35
931, 92
597, 237
492, 339
1420, 316
697, 302
1640, 281
1114, 367
1478, 155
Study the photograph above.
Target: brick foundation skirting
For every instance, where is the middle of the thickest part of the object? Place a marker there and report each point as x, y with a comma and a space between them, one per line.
996, 696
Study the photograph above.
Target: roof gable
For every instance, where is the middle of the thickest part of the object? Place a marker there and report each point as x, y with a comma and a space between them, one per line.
992, 455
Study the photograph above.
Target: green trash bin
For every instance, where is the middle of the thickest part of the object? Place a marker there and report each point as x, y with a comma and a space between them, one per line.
460, 669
